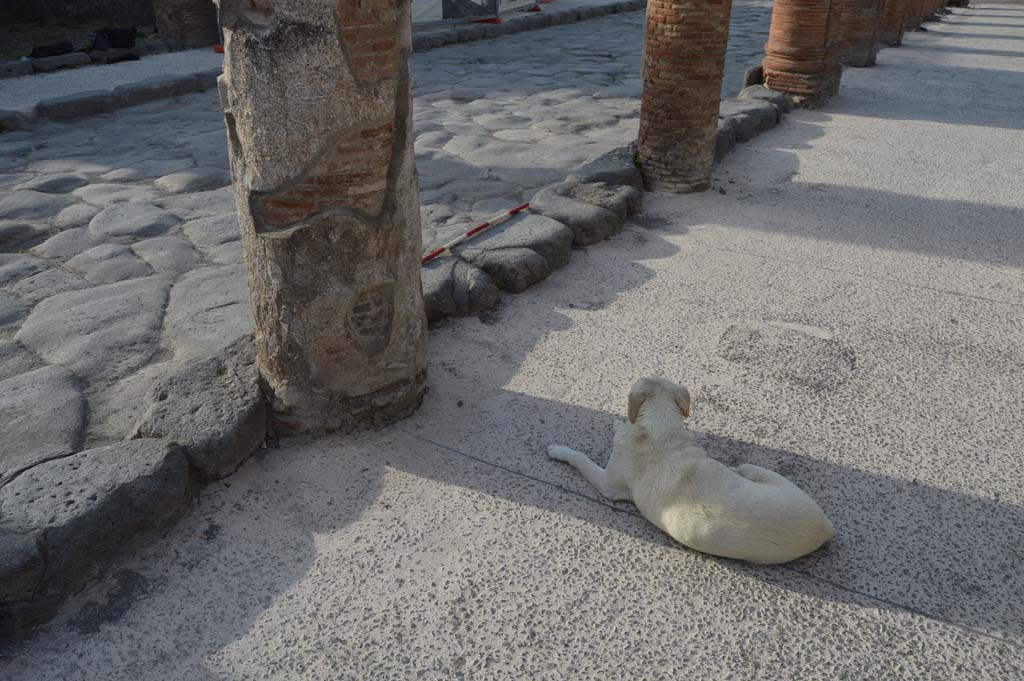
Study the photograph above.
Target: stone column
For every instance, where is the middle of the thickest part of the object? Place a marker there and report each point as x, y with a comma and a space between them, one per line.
802, 53
318, 109
190, 23
890, 28
684, 55
860, 32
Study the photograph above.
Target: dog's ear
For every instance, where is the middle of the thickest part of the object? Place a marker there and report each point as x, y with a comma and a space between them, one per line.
682, 398
637, 396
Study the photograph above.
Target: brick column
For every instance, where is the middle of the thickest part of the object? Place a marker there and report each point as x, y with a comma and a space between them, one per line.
890, 29
684, 55
317, 102
191, 23
913, 17
860, 32
802, 53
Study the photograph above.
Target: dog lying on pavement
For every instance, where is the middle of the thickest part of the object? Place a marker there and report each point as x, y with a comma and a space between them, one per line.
748, 513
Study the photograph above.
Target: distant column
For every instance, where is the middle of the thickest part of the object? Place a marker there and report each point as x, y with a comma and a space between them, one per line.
802, 53
684, 56
890, 29
860, 24
914, 14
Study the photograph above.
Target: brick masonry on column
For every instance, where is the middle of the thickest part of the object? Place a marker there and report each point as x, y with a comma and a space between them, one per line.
860, 32
802, 54
890, 28
684, 56
912, 18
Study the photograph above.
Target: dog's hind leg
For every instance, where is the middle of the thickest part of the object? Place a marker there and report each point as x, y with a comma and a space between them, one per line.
758, 474
595, 475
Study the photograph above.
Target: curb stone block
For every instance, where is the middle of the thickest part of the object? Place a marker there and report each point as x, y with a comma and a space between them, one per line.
213, 408
593, 211
158, 87
752, 76
16, 69
62, 61
759, 92
86, 103
520, 252
107, 497
725, 139
617, 166
454, 288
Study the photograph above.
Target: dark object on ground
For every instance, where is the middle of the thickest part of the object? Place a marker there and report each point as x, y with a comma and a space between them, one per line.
753, 76
131, 56
120, 37
54, 50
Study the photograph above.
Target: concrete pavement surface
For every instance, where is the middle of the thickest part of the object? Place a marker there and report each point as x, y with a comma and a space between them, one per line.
847, 307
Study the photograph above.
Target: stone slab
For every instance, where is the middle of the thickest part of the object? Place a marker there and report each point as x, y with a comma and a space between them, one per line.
44, 417
454, 288
85, 511
99, 333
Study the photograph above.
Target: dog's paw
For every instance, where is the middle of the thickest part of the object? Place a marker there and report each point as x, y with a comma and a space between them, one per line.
559, 453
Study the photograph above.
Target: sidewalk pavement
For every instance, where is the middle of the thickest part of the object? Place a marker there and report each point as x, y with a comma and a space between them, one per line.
847, 308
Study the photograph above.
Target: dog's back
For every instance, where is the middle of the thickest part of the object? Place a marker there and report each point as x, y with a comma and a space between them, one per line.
749, 513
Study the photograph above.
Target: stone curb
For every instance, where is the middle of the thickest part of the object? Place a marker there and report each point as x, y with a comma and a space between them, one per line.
592, 204
521, 22
67, 516
95, 102
104, 101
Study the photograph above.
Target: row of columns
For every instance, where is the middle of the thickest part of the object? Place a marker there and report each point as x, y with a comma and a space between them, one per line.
684, 53
316, 96
810, 39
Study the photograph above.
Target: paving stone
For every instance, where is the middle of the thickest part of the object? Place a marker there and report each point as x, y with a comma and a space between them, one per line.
520, 252
68, 243
19, 236
208, 310
213, 231
88, 509
15, 359
193, 180
110, 194
134, 219
167, 254
454, 288
59, 183
148, 169
99, 333
108, 263
42, 285
12, 310
594, 211
31, 205
213, 408
44, 417
15, 266
199, 204
75, 215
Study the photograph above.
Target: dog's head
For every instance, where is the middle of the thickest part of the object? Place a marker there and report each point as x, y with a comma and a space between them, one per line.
660, 389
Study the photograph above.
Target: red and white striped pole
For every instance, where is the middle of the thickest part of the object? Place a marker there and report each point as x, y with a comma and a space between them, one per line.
483, 226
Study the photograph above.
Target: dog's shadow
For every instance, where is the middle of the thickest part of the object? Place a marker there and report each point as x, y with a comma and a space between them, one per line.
900, 544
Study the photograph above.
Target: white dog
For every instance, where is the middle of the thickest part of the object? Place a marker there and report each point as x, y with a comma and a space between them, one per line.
748, 513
